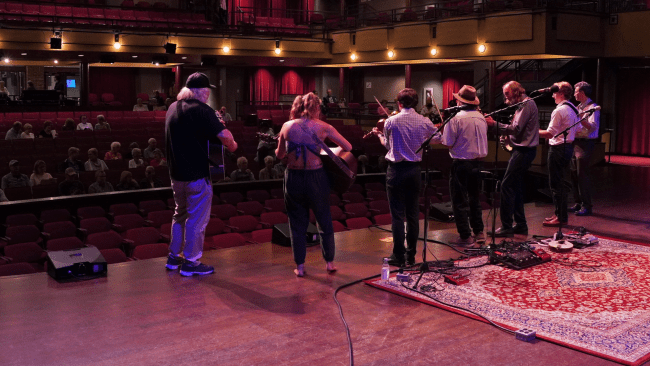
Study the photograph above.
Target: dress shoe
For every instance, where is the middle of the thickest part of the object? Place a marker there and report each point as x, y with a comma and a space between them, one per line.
554, 223
410, 260
554, 217
503, 232
575, 208
462, 242
394, 261
520, 229
584, 212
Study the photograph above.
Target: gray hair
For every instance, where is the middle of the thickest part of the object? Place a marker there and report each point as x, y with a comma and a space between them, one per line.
200, 94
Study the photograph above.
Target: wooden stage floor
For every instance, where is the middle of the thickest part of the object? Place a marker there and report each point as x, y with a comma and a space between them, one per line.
254, 311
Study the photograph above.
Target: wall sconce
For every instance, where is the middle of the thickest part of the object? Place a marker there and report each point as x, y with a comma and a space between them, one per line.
391, 53
226, 49
482, 48
117, 44
277, 47
434, 51
353, 56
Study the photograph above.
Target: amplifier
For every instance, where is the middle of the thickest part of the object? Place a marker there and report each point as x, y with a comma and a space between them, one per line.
82, 263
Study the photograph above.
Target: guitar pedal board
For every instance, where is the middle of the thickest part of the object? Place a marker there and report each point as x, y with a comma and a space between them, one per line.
517, 256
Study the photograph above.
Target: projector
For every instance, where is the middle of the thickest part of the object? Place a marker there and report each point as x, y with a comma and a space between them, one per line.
82, 263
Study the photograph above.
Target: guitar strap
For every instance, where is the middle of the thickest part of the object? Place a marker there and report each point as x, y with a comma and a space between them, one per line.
329, 152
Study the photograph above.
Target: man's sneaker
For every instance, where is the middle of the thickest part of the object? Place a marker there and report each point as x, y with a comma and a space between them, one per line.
173, 262
195, 269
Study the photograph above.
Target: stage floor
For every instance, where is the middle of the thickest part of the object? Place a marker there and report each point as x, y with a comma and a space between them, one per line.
254, 311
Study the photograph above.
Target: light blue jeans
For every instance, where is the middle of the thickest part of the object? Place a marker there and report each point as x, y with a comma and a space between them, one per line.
193, 201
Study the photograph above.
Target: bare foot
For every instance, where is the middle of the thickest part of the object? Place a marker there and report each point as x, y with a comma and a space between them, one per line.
300, 270
330, 267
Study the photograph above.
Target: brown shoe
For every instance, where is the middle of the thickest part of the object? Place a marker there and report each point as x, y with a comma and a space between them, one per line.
554, 217
554, 223
462, 242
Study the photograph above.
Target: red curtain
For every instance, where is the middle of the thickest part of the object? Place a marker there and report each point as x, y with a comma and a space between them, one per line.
120, 81
266, 85
294, 82
633, 122
240, 10
452, 81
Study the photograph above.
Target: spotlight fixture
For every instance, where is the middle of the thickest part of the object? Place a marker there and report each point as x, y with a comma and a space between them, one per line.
56, 61
55, 43
353, 56
391, 53
434, 52
7, 60
277, 47
482, 48
226, 49
170, 48
117, 43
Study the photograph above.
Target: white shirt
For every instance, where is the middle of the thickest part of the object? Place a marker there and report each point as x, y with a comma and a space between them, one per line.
99, 165
84, 126
142, 108
562, 117
593, 120
466, 135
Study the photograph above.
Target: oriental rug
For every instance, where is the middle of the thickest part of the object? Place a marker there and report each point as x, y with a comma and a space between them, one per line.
595, 300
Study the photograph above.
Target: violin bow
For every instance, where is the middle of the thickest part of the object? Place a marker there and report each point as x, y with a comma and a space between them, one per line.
381, 106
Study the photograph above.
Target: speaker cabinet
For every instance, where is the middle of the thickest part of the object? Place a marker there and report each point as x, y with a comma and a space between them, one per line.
281, 235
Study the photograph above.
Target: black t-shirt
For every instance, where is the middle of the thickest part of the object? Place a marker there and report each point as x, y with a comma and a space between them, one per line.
186, 141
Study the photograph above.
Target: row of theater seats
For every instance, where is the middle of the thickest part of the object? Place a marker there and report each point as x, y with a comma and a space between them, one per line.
100, 16
277, 25
129, 117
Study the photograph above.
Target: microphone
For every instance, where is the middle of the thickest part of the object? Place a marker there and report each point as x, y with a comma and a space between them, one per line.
592, 110
455, 109
552, 89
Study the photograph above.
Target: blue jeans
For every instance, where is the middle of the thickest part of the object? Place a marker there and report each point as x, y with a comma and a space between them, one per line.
403, 188
558, 160
465, 188
193, 201
304, 190
512, 187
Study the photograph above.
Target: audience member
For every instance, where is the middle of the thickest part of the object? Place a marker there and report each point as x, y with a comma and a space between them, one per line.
93, 162
39, 176
3, 197
129, 151
329, 98
59, 85
30, 85
137, 161
102, 124
363, 166
47, 131
27, 133
168, 102
157, 98
4, 92
15, 132
281, 167
15, 178
68, 125
100, 185
114, 153
148, 152
71, 186
150, 180
127, 183
140, 107
84, 124
382, 164
243, 173
268, 172
383, 109
73, 161
343, 103
158, 107
267, 143
158, 159
224, 114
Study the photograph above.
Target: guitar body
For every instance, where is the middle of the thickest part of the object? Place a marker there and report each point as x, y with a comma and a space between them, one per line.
340, 181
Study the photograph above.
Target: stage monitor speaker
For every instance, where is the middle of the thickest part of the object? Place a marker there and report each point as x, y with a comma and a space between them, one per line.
82, 263
441, 212
281, 235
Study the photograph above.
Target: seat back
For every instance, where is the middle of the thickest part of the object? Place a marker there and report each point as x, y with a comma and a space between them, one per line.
149, 251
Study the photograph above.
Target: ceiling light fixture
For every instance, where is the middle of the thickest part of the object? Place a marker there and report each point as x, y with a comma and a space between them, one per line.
434, 52
277, 47
7, 60
391, 53
482, 48
353, 56
226, 49
117, 43
56, 61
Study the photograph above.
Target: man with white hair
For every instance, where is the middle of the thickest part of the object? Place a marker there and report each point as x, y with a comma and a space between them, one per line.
151, 149
190, 125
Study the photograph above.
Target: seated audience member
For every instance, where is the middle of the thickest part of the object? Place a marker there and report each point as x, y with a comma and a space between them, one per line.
129, 152
127, 183
15, 132
93, 162
281, 167
148, 152
84, 124
47, 132
100, 185
382, 164
102, 124
343, 103
73, 161
137, 161
15, 178
157, 107
383, 108
114, 153
71, 186
168, 102
3, 197
225, 115
30, 85
139, 106
40, 176
158, 159
4, 92
363, 166
150, 180
156, 96
268, 172
68, 125
267, 143
27, 134
243, 173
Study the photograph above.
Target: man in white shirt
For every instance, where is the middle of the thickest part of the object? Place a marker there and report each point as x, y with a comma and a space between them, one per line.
583, 148
84, 124
140, 107
15, 132
560, 150
466, 137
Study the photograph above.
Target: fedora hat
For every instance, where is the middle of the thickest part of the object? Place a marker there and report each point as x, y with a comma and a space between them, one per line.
467, 95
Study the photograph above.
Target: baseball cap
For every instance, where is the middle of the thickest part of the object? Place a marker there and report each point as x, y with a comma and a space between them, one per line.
199, 80
13, 162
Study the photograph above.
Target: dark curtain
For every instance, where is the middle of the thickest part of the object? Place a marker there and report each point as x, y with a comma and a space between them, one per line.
264, 86
633, 122
294, 82
452, 81
267, 85
119, 81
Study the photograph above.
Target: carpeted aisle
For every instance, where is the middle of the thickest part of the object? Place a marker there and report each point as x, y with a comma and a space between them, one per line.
596, 300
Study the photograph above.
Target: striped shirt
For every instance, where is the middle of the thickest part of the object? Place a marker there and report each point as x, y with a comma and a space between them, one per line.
405, 132
590, 132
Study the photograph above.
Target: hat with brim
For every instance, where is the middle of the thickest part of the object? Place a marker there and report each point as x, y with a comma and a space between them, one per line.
467, 95
199, 80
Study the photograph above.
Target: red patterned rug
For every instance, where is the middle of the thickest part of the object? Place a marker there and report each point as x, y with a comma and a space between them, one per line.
599, 305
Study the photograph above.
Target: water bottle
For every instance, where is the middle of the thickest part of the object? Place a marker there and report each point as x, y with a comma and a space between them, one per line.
385, 271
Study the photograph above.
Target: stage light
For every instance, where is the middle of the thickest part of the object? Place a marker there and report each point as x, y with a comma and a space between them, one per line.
391, 53
277, 47
170, 48
226, 49
55, 43
7, 60
353, 56
56, 61
434, 52
117, 44
482, 48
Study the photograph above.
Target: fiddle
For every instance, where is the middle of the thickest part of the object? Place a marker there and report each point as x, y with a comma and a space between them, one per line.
380, 126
